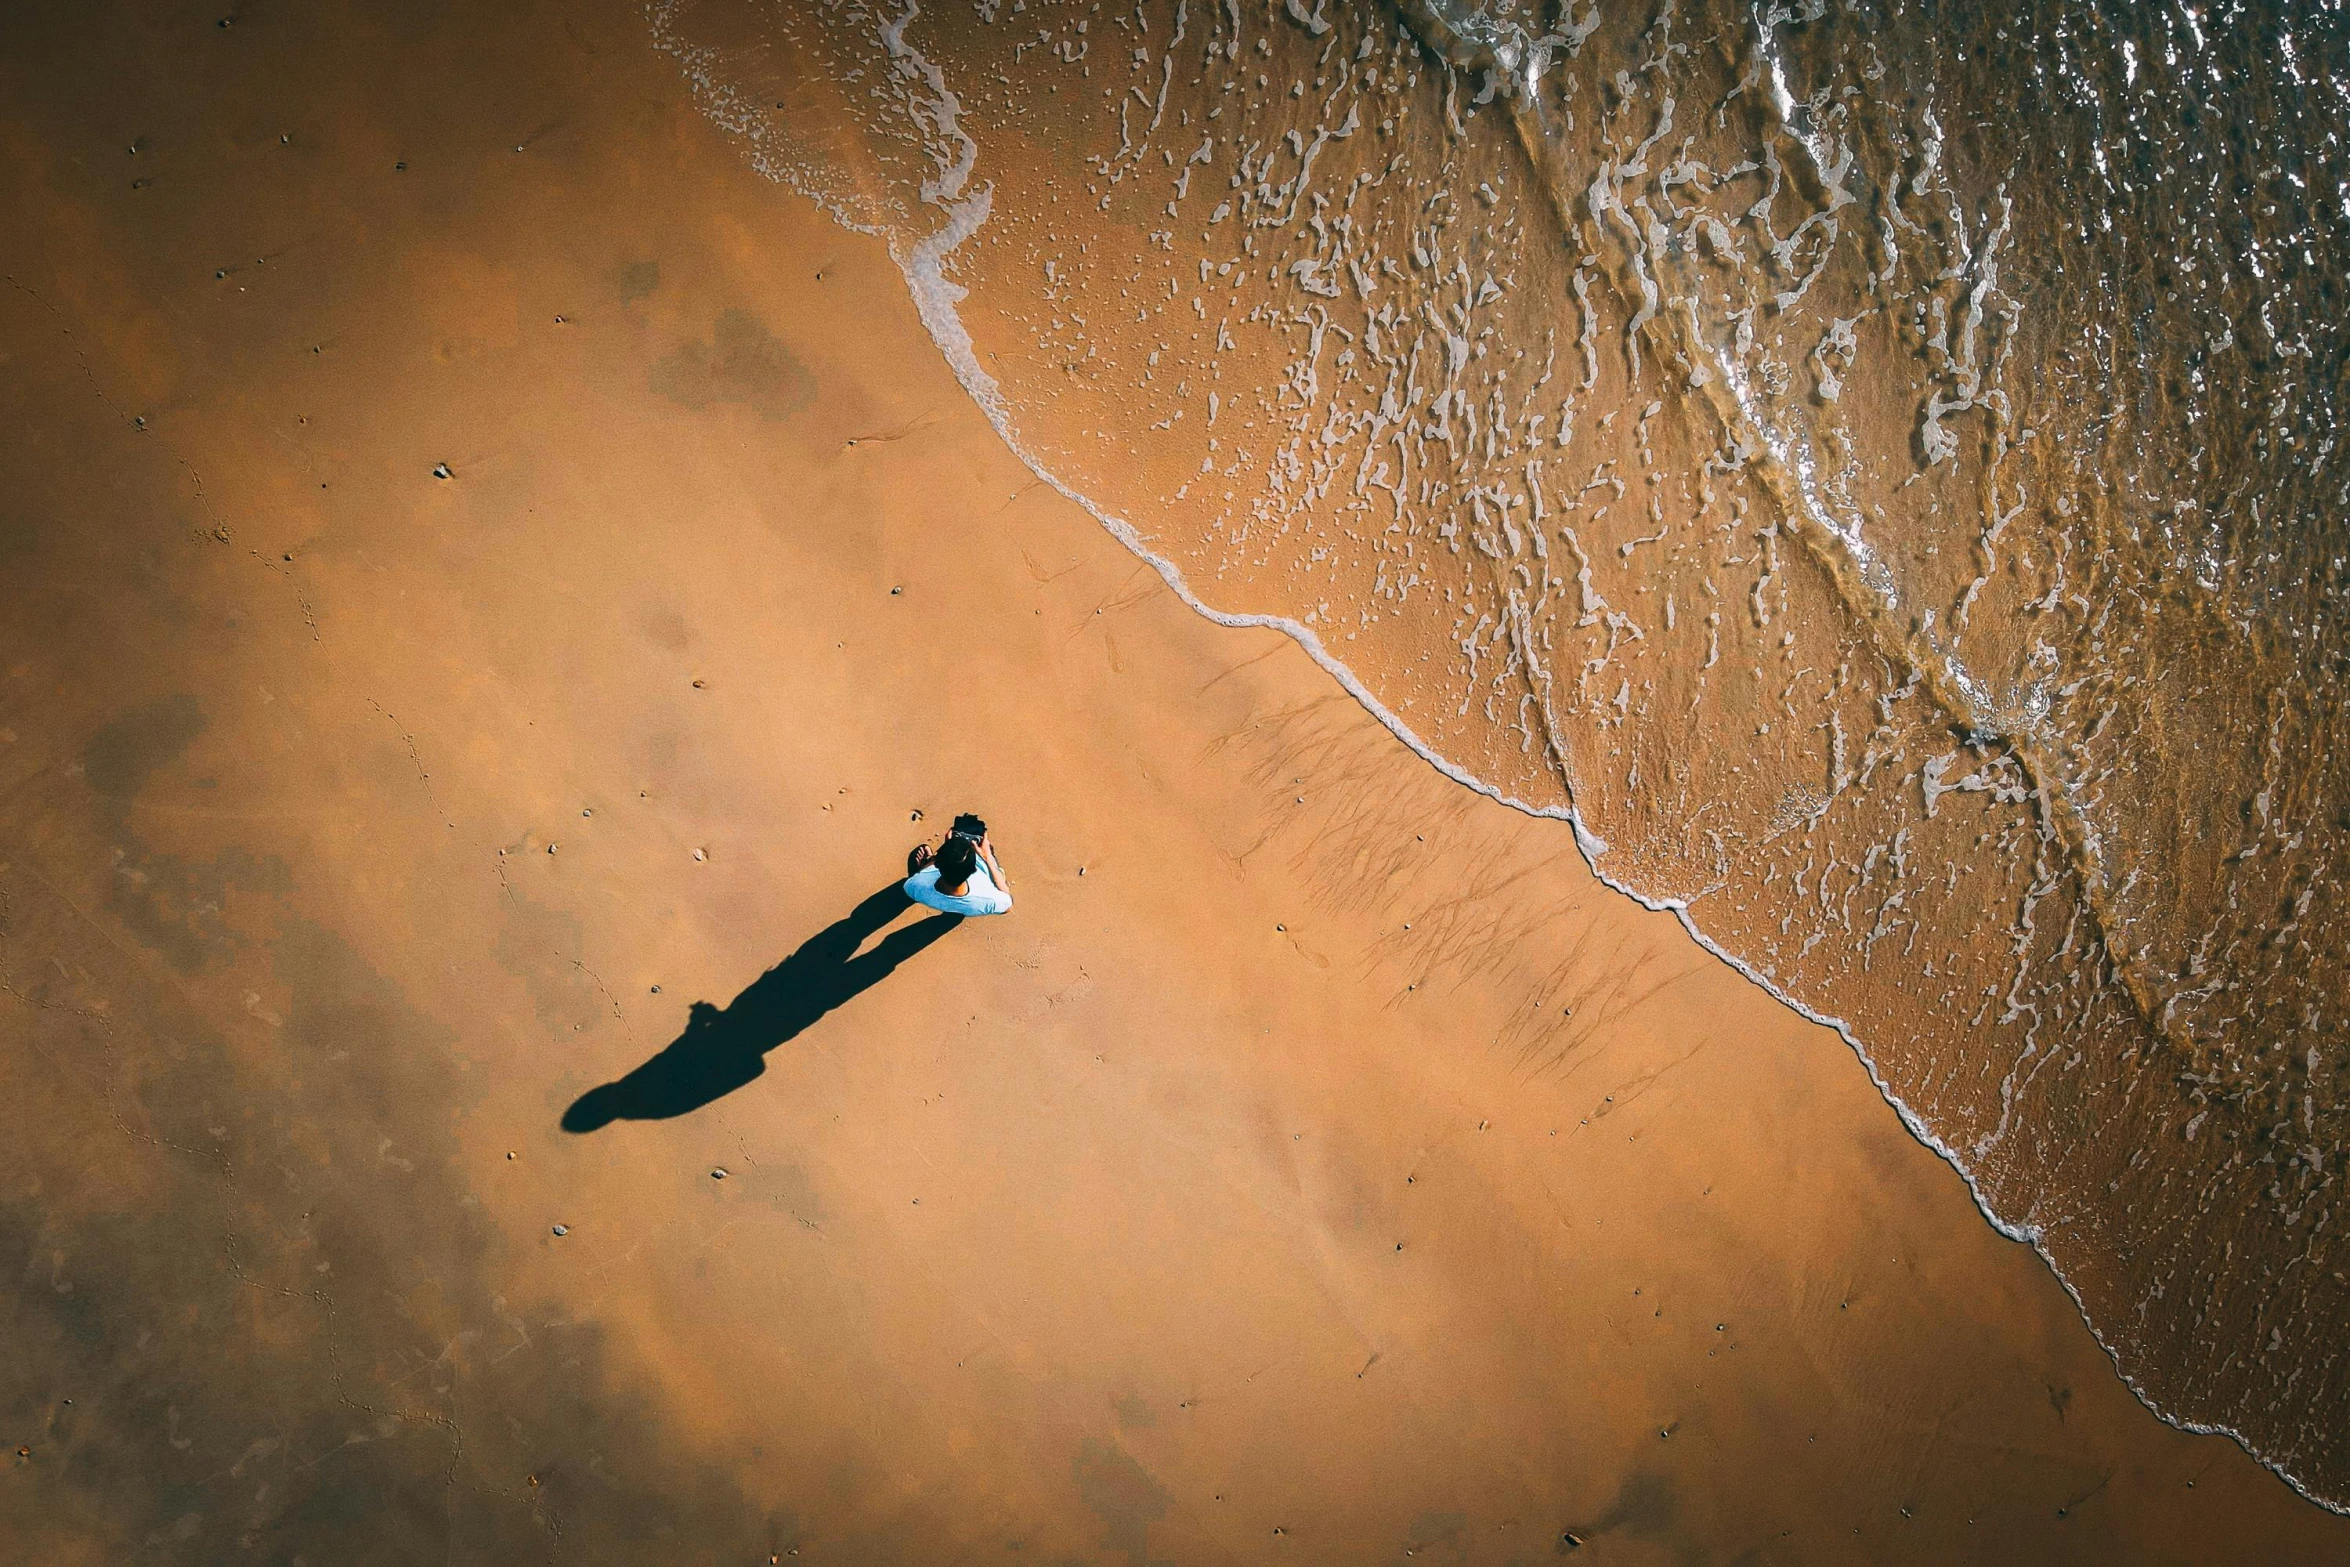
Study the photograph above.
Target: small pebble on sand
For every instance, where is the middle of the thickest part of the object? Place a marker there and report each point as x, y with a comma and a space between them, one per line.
701, 854
440, 470
718, 1174
562, 1229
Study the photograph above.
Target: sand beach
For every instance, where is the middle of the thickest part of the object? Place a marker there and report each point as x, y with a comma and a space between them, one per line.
483, 572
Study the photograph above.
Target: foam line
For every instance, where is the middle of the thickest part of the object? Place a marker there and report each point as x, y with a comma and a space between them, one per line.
955, 344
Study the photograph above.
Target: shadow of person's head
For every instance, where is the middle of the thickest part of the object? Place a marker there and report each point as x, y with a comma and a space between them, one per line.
596, 1109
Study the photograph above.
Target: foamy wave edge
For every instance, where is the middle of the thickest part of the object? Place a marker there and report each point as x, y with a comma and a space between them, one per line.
935, 296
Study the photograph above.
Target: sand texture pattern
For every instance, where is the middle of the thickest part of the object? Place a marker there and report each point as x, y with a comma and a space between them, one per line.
490, 588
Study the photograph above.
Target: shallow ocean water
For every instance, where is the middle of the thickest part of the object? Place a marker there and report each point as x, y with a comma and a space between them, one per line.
1874, 468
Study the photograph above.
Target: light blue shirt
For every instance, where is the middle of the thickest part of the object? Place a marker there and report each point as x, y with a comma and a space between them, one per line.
980, 895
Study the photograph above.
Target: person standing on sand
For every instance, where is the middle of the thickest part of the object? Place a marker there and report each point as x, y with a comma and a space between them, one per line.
961, 875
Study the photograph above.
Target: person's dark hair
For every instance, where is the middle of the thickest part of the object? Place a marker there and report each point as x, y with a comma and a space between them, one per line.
957, 859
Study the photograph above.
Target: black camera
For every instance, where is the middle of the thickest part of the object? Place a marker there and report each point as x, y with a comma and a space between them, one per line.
970, 826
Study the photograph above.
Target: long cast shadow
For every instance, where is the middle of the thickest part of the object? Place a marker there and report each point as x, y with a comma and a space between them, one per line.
720, 1051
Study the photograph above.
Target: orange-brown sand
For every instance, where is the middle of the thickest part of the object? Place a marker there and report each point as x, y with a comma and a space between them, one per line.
1316, 1166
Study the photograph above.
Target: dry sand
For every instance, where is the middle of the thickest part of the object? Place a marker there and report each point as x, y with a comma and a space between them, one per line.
1317, 1166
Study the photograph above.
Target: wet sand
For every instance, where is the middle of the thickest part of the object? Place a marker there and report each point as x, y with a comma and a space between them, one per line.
1318, 1165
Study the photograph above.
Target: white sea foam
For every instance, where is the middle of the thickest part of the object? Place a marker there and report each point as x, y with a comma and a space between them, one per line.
927, 262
